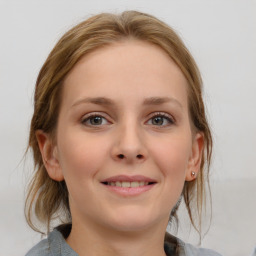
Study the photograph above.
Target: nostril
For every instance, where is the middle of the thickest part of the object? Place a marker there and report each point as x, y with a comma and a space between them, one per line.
121, 156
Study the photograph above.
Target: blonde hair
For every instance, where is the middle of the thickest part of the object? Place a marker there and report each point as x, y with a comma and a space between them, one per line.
47, 199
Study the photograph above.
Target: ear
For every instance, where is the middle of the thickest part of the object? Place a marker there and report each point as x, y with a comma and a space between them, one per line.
49, 155
196, 157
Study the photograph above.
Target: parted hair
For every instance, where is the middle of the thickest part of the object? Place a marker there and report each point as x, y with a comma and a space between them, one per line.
47, 199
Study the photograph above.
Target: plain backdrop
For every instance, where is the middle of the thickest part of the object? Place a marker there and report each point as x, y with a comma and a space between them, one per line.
221, 35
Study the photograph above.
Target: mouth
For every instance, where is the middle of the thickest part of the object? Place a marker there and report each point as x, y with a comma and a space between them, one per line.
129, 185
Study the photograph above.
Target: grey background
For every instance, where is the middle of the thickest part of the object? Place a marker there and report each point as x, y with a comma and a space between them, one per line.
221, 36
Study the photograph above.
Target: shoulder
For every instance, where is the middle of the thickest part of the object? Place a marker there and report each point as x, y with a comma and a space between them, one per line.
190, 250
179, 248
53, 245
41, 249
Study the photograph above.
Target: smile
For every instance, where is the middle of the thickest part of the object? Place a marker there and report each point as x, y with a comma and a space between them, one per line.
129, 185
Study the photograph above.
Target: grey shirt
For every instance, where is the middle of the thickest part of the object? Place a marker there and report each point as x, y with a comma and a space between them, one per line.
55, 245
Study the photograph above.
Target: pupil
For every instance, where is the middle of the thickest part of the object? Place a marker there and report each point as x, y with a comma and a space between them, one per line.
158, 120
96, 120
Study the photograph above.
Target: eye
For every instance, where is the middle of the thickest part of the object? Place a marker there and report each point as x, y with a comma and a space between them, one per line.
94, 120
160, 119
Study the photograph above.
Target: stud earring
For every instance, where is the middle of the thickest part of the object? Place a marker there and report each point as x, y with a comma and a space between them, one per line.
193, 174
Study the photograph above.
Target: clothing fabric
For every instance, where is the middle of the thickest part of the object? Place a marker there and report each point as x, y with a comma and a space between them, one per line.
55, 245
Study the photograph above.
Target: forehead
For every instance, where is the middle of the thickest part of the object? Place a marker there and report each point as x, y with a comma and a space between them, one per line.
132, 67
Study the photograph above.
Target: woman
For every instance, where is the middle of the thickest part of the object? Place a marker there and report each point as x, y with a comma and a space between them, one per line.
119, 135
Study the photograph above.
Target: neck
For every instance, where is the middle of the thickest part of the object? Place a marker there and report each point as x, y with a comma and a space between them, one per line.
96, 241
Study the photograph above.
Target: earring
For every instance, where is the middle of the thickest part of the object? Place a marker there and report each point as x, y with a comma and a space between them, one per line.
193, 174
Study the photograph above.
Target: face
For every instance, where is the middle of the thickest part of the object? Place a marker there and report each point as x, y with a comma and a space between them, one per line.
124, 141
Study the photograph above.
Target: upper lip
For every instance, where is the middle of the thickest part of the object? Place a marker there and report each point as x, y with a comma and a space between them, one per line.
128, 178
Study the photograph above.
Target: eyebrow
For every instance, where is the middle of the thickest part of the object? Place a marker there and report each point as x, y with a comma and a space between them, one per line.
97, 101
108, 102
160, 100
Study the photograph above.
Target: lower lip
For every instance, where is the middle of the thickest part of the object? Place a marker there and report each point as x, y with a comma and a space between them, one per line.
130, 191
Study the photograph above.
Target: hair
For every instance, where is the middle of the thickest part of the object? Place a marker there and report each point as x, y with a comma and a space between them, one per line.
48, 199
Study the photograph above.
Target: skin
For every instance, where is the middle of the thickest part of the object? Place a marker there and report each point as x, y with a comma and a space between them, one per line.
135, 135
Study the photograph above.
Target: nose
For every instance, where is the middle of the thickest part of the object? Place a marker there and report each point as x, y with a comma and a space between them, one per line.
129, 145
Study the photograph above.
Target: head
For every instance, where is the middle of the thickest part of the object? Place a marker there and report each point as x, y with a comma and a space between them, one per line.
48, 194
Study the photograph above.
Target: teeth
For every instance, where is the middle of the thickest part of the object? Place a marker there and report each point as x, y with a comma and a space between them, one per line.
127, 184
142, 183
135, 184
118, 184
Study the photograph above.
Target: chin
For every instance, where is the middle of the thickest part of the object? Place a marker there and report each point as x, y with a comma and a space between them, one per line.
133, 221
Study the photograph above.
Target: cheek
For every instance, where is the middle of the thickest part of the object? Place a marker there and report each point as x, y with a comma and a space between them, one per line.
172, 156
81, 155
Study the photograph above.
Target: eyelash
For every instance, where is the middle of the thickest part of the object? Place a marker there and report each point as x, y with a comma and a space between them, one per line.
166, 116
90, 116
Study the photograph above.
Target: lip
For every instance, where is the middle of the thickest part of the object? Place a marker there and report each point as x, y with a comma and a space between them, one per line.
129, 191
128, 178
